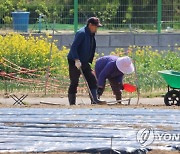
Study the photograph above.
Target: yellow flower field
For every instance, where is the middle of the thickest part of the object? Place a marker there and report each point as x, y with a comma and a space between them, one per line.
34, 53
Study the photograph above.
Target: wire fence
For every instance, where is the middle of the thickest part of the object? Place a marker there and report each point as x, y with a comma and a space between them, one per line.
119, 15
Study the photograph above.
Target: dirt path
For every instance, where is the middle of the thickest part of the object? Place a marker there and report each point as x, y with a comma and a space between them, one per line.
90, 106
82, 102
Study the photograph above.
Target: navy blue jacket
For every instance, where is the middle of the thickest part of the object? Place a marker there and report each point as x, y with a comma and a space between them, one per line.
83, 46
106, 68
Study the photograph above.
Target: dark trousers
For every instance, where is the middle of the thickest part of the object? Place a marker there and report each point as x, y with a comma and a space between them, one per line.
74, 75
116, 88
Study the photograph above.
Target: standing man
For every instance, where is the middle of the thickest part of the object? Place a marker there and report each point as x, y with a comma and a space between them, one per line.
81, 54
112, 68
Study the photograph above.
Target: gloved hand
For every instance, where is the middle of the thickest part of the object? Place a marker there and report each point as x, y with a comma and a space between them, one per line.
78, 63
122, 87
100, 91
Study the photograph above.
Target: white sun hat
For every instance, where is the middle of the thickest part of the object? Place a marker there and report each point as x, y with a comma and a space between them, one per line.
125, 65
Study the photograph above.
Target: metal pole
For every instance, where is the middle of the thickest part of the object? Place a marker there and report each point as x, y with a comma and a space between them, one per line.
75, 16
159, 15
5, 86
136, 77
50, 57
40, 23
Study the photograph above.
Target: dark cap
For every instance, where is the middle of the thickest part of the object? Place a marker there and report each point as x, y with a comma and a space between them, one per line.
95, 21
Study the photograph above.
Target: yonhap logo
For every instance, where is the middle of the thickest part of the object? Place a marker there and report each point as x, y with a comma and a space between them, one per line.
145, 136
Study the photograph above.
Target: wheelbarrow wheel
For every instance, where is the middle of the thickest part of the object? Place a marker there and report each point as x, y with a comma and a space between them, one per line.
172, 98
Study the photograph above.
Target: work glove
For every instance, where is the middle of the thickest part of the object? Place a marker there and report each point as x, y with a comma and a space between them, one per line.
100, 91
78, 63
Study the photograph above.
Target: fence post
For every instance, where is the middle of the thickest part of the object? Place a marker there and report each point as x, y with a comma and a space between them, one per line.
159, 15
50, 59
75, 15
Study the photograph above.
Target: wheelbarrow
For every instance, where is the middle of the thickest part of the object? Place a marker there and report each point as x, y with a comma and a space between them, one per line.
172, 79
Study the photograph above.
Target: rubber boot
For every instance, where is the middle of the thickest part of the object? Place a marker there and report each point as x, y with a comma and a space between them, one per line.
118, 98
95, 99
72, 99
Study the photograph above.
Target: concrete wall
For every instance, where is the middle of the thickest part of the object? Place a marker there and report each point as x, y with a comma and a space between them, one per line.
108, 42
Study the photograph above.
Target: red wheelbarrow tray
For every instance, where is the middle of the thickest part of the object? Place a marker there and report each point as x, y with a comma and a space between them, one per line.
171, 77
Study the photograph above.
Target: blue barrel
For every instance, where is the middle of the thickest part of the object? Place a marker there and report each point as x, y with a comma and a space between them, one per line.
20, 21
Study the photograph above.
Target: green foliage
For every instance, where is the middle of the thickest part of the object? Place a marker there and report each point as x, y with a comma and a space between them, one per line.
113, 13
5, 11
148, 63
32, 53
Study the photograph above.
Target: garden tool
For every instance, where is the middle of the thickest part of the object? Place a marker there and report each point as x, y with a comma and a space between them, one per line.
119, 101
127, 87
89, 91
92, 92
